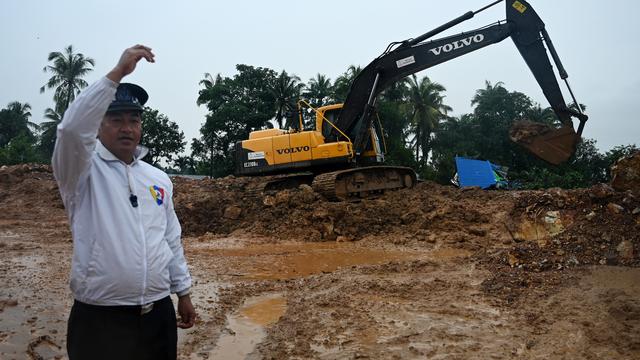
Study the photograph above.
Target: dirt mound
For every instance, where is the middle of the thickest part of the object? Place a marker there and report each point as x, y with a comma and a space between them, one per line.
550, 229
29, 192
625, 174
587, 226
415, 214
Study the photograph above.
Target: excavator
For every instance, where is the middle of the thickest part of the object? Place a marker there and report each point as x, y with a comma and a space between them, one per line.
342, 157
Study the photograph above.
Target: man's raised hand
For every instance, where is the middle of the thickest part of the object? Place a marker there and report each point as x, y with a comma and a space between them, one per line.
128, 61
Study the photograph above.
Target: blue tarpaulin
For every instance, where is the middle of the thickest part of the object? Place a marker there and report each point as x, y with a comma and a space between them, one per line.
476, 173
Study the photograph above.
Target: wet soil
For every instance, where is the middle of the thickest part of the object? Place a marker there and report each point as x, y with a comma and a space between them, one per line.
432, 272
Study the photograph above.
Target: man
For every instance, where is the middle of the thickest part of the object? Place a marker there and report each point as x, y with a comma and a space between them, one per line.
127, 254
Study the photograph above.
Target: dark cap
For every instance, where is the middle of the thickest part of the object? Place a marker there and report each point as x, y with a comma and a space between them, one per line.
129, 97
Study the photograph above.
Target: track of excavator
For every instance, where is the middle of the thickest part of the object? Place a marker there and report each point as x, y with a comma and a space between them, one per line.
350, 184
363, 182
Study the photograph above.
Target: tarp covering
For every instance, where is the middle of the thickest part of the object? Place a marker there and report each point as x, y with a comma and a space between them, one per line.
476, 173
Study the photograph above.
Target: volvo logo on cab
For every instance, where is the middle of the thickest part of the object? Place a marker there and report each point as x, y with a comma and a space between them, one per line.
293, 150
457, 44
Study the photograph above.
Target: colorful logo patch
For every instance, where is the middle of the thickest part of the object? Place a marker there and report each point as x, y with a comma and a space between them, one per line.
157, 193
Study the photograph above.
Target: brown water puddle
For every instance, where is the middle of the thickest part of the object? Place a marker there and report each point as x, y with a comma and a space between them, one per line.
245, 329
286, 261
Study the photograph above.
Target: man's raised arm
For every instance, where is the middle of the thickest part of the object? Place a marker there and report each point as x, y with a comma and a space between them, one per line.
76, 134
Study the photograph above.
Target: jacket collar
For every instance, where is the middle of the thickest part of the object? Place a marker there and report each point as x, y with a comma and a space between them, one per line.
106, 155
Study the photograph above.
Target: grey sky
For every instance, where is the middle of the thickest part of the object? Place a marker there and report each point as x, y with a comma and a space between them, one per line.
596, 40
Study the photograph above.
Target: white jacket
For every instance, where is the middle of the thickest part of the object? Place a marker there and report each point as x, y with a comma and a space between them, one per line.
122, 255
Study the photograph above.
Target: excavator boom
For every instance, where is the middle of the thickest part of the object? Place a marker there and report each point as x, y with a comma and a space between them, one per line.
528, 33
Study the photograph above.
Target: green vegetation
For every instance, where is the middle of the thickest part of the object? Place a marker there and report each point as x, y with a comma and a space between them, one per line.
417, 127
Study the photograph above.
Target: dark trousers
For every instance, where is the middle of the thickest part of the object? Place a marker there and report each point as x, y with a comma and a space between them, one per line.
122, 332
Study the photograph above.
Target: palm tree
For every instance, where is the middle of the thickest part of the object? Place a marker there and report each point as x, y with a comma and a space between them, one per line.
208, 93
286, 91
491, 99
318, 90
343, 83
427, 109
14, 121
68, 69
49, 131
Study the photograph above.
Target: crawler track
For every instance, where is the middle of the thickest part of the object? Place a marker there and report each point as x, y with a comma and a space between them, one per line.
363, 182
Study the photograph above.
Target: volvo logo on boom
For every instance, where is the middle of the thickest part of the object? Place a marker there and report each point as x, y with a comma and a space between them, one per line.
293, 150
458, 44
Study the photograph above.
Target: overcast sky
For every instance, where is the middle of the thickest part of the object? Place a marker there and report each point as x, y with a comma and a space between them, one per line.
596, 40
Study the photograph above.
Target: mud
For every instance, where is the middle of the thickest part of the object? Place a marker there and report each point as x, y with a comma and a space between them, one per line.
432, 272
524, 130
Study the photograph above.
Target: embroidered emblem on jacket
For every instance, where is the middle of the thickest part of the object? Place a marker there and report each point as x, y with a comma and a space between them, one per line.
157, 193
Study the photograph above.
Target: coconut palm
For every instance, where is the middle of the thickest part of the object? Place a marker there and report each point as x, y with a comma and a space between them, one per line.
48, 131
318, 91
68, 69
286, 90
426, 103
211, 86
14, 121
343, 83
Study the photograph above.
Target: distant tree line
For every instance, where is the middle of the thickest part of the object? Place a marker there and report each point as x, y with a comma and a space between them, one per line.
418, 130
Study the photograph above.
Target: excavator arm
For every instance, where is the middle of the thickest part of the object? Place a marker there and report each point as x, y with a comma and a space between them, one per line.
528, 32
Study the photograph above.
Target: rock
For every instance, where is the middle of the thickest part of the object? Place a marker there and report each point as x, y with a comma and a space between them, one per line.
342, 238
590, 215
614, 208
306, 194
625, 173
305, 188
552, 217
512, 259
636, 211
601, 191
269, 200
320, 213
282, 197
232, 212
327, 231
625, 250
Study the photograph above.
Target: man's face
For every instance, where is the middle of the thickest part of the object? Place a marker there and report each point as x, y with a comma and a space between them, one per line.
120, 133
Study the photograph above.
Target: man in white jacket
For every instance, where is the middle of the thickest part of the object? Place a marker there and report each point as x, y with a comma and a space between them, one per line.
127, 253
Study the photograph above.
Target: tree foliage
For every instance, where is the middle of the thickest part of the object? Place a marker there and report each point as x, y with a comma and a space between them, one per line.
319, 90
14, 121
237, 106
21, 149
67, 71
286, 91
48, 132
427, 107
162, 136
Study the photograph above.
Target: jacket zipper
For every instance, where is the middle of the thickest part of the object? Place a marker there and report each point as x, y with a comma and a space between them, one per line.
141, 235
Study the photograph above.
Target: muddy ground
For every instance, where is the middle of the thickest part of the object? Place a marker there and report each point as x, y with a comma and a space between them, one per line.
432, 272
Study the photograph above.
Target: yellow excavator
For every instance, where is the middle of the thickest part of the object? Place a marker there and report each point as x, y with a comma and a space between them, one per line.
342, 156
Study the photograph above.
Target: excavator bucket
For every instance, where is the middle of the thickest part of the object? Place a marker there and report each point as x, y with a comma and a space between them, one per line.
552, 145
